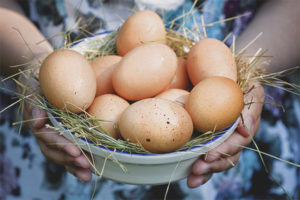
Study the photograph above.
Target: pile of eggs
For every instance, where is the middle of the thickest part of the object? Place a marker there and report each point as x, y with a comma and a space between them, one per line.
146, 94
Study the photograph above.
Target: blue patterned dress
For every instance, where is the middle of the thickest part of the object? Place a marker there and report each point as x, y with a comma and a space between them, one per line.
26, 174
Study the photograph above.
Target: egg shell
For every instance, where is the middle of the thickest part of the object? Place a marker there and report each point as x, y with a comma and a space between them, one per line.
210, 57
107, 109
181, 79
67, 80
158, 125
176, 95
215, 103
145, 71
104, 67
142, 27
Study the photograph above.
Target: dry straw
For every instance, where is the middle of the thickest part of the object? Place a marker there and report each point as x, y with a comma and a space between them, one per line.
181, 40
83, 125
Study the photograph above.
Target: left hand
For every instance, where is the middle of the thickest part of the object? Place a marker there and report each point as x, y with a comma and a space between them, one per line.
53, 146
227, 154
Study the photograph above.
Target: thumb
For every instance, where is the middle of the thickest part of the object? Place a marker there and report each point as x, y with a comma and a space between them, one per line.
245, 127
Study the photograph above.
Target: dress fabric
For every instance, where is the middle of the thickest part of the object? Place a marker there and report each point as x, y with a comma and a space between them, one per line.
26, 174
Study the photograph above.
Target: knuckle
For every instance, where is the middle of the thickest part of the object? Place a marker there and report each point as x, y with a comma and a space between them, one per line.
212, 156
235, 159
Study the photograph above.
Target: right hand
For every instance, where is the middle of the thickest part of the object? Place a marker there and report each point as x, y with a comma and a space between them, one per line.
226, 155
54, 146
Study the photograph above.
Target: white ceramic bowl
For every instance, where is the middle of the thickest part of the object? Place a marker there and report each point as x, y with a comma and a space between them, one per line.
144, 169
139, 169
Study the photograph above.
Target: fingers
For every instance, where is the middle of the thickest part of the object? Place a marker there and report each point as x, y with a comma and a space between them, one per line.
202, 167
242, 136
63, 158
31, 83
34, 118
252, 112
251, 116
55, 147
83, 174
30, 89
36, 122
202, 171
230, 147
55, 141
244, 132
194, 181
226, 155
49, 137
56, 156
78, 166
250, 126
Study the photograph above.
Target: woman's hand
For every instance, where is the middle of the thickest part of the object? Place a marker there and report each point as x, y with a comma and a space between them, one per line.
54, 146
227, 154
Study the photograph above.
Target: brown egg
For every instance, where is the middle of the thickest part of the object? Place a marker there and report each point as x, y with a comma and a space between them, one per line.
108, 109
210, 57
158, 125
181, 79
104, 67
215, 103
141, 27
145, 71
177, 95
68, 80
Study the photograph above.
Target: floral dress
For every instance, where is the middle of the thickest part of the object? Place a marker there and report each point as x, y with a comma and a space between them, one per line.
26, 174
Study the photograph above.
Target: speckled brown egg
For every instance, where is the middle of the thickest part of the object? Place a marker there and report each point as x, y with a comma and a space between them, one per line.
145, 71
158, 125
215, 103
67, 80
107, 109
210, 57
104, 67
142, 27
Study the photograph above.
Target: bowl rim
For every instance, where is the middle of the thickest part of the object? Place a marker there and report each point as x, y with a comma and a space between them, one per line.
140, 158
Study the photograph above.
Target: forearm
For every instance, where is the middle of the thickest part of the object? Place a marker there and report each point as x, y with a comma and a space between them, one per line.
278, 21
19, 41
11, 5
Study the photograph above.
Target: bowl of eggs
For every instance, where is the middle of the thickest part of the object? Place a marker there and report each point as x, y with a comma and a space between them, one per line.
144, 94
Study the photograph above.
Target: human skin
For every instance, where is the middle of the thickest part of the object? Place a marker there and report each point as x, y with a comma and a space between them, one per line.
13, 48
278, 21
15, 30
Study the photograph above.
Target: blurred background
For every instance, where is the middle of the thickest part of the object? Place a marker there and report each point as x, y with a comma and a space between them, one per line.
26, 174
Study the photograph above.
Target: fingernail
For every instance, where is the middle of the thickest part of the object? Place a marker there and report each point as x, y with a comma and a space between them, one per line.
83, 175
83, 178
